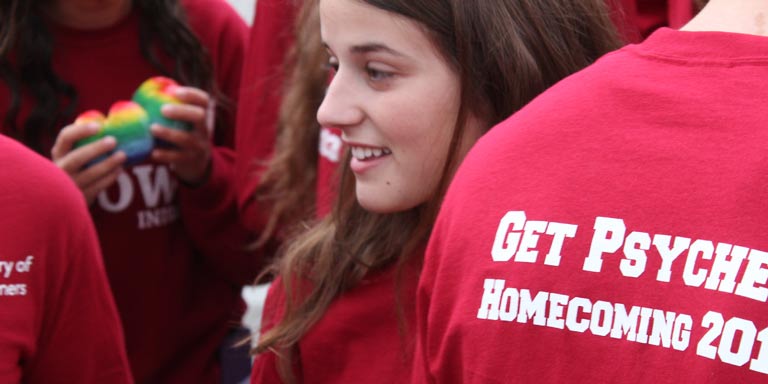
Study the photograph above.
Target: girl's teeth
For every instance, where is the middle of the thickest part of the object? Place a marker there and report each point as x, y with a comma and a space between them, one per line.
369, 153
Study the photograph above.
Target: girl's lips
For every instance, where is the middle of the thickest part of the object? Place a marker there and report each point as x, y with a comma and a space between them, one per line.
359, 166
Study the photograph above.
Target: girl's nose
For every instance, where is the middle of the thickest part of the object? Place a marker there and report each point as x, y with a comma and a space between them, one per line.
341, 106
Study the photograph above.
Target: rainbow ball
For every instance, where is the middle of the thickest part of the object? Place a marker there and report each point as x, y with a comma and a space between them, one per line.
128, 123
152, 94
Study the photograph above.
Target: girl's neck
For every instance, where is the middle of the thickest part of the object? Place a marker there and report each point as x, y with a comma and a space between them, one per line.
88, 14
736, 16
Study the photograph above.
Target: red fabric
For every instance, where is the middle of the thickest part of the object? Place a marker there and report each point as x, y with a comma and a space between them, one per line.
271, 37
358, 340
679, 13
174, 255
58, 322
656, 145
636, 19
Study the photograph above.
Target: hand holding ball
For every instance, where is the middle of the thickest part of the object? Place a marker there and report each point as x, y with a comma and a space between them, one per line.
129, 121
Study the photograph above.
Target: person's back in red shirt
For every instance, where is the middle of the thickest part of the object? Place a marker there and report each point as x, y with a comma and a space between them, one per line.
58, 322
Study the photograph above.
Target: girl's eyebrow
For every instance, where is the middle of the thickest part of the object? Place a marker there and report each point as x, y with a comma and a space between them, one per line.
369, 48
374, 47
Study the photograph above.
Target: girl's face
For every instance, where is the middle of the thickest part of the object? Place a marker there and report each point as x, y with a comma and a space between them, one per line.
87, 14
395, 99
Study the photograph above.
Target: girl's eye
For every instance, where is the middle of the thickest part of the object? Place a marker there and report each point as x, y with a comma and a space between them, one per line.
332, 65
377, 75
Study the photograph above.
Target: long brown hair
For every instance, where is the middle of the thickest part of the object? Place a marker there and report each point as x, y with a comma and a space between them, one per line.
505, 52
288, 184
24, 31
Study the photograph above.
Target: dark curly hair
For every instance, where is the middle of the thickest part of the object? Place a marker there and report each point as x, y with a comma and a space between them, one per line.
24, 32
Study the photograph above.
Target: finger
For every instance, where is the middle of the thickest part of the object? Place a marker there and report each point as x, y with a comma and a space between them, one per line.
71, 134
189, 167
197, 97
192, 95
75, 160
184, 112
170, 156
101, 184
100, 170
185, 141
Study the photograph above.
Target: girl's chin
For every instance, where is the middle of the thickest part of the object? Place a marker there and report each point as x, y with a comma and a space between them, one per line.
382, 203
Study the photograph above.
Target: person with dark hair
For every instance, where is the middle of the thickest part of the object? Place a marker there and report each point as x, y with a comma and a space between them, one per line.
613, 230
415, 84
58, 321
173, 247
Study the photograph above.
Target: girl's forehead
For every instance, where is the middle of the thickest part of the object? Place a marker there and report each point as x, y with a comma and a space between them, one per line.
349, 24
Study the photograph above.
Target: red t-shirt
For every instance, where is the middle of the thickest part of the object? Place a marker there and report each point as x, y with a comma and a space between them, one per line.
58, 322
613, 230
175, 256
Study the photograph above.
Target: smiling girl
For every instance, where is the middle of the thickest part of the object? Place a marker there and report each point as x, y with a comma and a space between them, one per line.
416, 83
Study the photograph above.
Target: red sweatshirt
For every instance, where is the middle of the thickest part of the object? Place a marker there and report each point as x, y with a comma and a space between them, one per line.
58, 322
174, 255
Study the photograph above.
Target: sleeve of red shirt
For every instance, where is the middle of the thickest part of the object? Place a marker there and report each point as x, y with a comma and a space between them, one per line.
271, 36
210, 211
